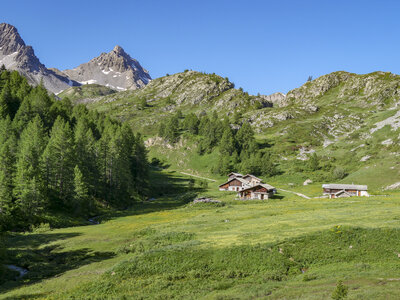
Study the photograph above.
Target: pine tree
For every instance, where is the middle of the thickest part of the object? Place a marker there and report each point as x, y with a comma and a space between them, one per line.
313, 163
5, 100
171, 132
81, 192
59, 161
191, 123
29, 187
7, 171
139, 166
268, 167
119, 176
227, 143
85, 153
245, 138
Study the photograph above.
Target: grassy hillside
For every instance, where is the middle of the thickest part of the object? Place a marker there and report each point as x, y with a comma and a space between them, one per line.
288, 247
87, 91
350, 121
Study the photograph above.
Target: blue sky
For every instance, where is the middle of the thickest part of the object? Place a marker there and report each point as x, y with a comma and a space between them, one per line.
262, 46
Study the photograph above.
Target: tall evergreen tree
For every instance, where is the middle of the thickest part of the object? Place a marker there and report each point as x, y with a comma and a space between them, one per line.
81, 192
139, 166
85, 153
245, 138
29, 186
227, 143
7, 169
191, 123
59, 161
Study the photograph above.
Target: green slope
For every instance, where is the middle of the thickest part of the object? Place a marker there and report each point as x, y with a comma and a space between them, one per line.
240, 249
336, 115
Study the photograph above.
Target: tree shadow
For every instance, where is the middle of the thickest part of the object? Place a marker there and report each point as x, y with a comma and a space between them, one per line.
168, 190
25, 251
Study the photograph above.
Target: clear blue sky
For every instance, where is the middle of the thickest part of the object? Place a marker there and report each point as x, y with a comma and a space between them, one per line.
262, 46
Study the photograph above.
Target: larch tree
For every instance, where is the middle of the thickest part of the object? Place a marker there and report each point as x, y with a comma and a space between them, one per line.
29, 188
59, 161
7, 168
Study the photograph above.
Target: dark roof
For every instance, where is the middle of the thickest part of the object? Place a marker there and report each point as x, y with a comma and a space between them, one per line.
345, 187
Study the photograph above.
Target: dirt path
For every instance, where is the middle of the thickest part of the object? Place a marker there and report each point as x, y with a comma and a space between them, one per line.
298, 194
198, 176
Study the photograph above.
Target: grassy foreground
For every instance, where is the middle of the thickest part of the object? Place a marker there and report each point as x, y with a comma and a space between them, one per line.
285, 248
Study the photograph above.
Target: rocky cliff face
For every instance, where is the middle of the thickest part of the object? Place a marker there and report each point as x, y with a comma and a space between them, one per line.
115, 69
15, 55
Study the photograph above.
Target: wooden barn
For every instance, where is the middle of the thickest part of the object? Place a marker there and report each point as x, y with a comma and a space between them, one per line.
235, 184
259, 191
345, 190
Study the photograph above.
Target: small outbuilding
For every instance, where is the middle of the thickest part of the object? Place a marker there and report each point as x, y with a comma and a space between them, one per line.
344, 190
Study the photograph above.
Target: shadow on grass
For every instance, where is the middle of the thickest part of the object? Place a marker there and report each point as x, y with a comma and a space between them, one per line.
25, 251
168, 190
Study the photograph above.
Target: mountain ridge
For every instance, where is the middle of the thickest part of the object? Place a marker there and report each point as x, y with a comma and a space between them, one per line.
16, 55
126, 72
115, 69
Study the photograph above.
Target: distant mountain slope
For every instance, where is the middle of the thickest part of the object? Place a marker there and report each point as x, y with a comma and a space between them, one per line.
351, 121
87, 91
15, 55
187, 91
115, 69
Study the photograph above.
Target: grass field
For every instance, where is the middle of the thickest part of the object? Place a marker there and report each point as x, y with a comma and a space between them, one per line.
283, 248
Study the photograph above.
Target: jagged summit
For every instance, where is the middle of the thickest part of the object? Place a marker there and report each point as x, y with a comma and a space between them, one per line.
115, 69
16, 55
118, 50
10, 40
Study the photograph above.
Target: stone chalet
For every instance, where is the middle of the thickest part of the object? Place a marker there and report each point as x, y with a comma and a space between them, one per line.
344, 190
248, 187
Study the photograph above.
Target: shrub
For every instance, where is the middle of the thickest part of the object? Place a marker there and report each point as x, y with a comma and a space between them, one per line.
203, 184
42, 227
339, 173
341, 291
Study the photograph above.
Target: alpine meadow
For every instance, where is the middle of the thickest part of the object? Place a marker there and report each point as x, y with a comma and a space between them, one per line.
118, 185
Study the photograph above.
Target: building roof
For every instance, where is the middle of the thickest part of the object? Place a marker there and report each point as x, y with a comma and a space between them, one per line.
236, 178
264, 185
249, 175
235, 174
345, 187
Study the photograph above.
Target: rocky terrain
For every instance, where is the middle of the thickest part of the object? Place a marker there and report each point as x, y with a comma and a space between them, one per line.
15, 55
351, 121
116, 69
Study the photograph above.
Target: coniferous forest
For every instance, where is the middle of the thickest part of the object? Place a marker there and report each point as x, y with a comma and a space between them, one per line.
56, 157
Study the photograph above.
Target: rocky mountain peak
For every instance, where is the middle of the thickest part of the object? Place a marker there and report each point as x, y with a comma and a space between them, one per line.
10, 40
115, 69
16, 55
118, 50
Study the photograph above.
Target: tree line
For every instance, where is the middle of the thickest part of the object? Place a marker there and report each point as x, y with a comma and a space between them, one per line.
62, 157
238, 149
